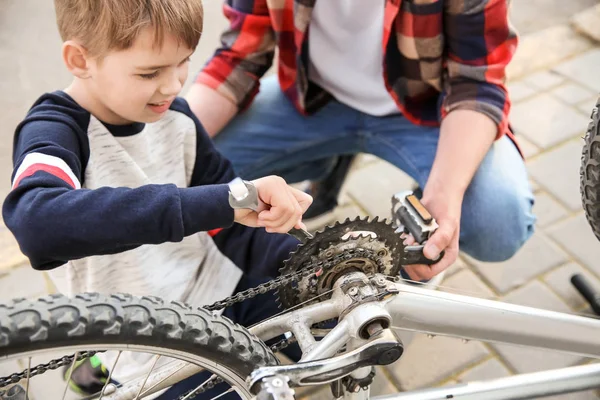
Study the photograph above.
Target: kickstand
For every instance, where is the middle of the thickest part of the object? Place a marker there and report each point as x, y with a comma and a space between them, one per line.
585, 288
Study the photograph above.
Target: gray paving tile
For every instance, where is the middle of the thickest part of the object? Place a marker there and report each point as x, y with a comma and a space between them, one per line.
458, 266
588, 312
560, 281
22, 282
427, 361
490, 369
544, 80
548, 210
533, 15
10, 254
537, 255
545, 121
588, 22
535, 187
576, 237
558, 172
583, 69
524, 360
519, 90
381, 384
349, 211
374, 185
344, 199
467, 283
572, 93
536, 294
545, 48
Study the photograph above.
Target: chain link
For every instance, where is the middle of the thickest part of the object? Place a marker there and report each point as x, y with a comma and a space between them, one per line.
227, 302
41, 368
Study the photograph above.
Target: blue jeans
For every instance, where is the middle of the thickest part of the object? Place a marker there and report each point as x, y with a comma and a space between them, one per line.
271, 137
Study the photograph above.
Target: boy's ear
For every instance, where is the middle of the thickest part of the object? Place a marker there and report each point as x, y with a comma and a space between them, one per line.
76, 59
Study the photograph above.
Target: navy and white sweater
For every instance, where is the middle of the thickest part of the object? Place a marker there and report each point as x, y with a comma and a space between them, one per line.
127, 208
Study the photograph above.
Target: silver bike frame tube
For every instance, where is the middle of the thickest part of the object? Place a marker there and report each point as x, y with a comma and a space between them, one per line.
524, 386
427, 311
283, 323
439, 313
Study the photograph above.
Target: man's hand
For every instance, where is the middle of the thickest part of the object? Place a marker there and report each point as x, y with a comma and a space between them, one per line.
445, 238
465, 138
280, 209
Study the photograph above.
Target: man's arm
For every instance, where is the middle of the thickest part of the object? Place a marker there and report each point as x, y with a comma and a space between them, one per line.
211, 107
474, 111
230, 80
455, 163
480, 43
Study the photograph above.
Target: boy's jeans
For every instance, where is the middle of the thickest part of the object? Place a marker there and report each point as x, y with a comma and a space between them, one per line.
271, 137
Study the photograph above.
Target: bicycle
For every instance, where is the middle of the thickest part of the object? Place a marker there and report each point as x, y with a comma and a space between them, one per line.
349, 273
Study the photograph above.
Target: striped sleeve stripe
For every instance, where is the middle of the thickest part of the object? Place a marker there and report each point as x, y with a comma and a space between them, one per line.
214, 232
34, 162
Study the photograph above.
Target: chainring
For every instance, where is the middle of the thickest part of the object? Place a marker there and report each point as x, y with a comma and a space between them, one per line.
380, 237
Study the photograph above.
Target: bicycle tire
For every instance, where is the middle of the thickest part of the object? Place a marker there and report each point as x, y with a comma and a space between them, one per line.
89, 319
590, 172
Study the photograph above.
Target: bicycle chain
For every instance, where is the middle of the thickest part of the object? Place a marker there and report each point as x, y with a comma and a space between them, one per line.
41, 368
227, 302
270, 285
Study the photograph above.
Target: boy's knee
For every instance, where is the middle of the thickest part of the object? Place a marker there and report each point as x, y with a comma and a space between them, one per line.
498, 228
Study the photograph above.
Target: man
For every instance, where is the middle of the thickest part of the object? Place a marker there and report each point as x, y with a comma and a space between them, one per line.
418, 83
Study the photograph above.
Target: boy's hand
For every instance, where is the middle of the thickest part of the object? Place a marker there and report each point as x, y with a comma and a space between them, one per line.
280, 207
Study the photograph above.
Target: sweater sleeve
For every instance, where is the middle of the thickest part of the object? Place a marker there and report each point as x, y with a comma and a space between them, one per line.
55, 220
253, 250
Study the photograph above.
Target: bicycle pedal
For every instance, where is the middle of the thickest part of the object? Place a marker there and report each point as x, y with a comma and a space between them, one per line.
411, 216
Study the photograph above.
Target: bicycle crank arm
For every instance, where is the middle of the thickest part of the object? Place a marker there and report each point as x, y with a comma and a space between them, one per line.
381, 350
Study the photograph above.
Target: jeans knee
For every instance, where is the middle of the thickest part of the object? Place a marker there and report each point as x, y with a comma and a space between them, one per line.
497, 237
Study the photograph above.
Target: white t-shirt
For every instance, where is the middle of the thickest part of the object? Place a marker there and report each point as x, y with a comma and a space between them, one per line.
346, 53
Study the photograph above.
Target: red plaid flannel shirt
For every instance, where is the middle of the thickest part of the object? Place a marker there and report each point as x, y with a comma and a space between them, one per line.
439, 55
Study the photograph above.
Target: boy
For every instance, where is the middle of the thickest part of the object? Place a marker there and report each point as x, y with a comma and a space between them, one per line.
116, 186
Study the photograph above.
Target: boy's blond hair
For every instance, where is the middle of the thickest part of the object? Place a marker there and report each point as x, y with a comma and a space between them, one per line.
104, 25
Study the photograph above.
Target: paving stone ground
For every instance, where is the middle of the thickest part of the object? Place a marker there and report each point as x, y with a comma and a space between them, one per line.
554, 82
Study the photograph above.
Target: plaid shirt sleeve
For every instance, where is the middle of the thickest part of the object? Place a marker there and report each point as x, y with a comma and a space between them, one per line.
480, 44
246, 52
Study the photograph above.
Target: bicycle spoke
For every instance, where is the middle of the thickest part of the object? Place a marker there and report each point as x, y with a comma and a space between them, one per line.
222, 394
69, 376
110, 375
164, 379
146, 379
28, 376
192, 393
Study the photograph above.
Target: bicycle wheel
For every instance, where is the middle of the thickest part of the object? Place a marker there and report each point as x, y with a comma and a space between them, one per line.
125, 323
590, 173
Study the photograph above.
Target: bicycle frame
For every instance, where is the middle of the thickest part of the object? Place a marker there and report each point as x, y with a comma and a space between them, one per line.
424, 310
412, 308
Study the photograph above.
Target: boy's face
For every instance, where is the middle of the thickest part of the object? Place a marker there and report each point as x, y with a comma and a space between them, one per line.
140, 83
